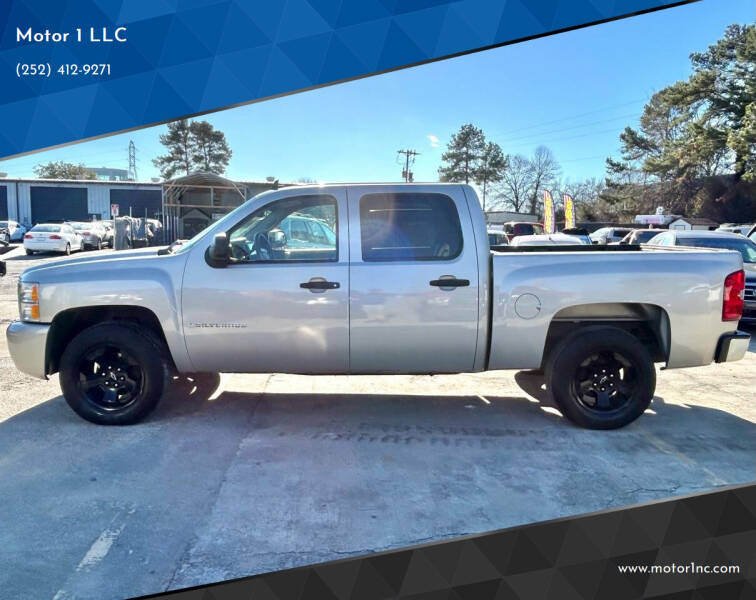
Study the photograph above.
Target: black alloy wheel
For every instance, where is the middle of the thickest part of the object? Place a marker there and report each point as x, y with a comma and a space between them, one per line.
114, 373
604, 381
601, 376
109, 377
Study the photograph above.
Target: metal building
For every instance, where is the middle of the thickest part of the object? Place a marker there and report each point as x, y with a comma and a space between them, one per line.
32, 201
190, 203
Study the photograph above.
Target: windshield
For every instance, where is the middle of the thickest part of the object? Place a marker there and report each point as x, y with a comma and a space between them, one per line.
3, 224
81, 226
746, 247
46, 228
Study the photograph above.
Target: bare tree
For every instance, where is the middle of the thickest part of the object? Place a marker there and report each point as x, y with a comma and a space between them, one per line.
513, 190
544, 172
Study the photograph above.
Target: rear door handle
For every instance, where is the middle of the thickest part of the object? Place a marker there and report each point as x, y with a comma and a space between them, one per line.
450, 282
320, 284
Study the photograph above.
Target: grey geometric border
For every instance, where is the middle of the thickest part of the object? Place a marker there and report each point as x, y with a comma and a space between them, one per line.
572, 557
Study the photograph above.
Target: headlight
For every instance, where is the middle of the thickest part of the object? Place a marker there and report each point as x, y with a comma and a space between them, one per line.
28, 301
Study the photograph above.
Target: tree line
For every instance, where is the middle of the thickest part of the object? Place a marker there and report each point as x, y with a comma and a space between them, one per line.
190, 146
693, 152
514, 182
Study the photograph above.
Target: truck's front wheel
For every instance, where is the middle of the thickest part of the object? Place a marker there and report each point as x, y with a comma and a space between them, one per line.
601, 377
113, 373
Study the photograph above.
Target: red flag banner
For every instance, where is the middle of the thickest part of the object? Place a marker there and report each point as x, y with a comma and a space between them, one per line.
548, 212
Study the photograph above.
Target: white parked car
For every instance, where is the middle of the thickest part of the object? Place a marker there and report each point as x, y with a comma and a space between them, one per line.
548, 239
52, 237
15, 230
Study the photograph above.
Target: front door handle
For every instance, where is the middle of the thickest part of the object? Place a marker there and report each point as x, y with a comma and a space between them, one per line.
450, 282
320, 284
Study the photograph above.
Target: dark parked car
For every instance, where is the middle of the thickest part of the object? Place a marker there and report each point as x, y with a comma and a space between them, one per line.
515, 228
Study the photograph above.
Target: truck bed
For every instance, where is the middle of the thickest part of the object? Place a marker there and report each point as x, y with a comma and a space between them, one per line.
673, 289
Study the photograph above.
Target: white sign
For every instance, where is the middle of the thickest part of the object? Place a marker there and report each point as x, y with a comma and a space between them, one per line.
113, 210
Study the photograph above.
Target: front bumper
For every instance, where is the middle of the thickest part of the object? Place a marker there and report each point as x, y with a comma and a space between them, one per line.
732, 346
27, 343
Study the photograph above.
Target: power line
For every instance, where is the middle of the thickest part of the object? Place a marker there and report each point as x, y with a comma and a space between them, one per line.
572, 137
578, 126
570, 117
409, 159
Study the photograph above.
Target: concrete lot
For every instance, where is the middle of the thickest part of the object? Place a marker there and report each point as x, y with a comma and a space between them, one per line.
255, 473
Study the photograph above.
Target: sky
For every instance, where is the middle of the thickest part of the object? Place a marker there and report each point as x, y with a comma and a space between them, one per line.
573, 92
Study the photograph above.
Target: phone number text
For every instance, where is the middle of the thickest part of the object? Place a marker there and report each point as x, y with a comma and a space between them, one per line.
67, 69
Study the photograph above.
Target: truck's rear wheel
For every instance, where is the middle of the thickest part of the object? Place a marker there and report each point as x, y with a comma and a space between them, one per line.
113, 373
601, 377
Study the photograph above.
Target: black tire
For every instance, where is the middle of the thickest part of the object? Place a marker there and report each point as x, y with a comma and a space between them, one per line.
29, 252
114, 373
99, 244
601, 377
68, 250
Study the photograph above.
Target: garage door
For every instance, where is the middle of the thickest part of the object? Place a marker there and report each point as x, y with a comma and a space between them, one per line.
3, 202
143, 203
51, 204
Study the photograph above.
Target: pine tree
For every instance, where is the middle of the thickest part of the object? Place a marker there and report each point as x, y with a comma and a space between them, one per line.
193, 146
179, 145
491, 167
463, 155
210, 152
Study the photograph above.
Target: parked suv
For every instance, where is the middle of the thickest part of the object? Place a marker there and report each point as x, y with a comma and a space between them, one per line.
722, 240
515, 228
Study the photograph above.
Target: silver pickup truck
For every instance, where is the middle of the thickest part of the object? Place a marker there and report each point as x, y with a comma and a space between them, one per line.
375, 279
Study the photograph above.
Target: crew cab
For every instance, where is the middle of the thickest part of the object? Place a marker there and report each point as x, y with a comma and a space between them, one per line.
375, 279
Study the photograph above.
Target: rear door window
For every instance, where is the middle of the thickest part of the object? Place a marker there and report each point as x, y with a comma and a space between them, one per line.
409, 226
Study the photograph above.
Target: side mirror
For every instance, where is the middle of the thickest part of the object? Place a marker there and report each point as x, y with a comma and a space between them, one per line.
219, 252
277, 239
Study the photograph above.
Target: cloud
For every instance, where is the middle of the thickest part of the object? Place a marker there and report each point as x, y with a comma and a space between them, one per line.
433, 141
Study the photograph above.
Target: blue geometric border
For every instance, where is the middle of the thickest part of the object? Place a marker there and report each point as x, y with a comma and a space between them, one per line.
185, 57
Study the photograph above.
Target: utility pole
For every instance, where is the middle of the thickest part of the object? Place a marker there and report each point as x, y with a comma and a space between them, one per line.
132, 161
409, 159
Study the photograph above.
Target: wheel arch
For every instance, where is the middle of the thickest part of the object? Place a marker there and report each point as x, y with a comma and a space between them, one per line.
68, 323
647, 322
